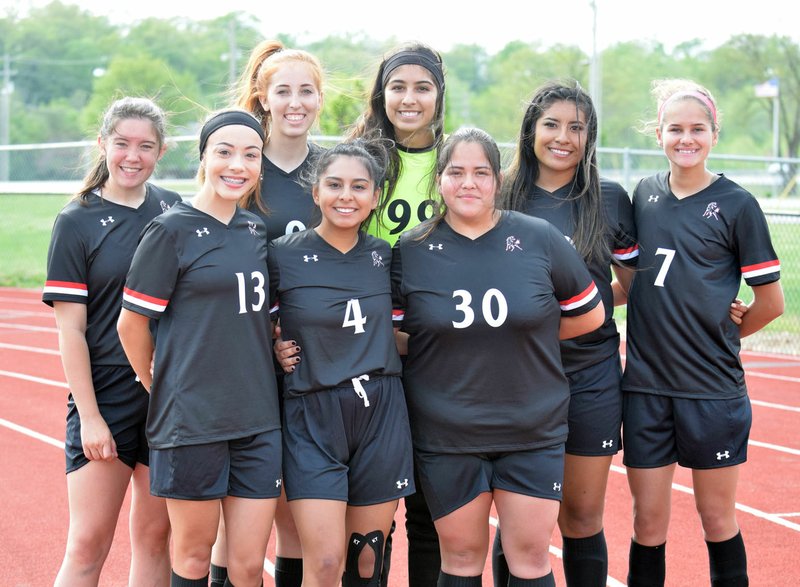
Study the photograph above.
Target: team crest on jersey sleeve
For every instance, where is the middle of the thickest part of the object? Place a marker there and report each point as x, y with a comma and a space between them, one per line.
164, 206
377, 260
711, 211
251, 226
513, 244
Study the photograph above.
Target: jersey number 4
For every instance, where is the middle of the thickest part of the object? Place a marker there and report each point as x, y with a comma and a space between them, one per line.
353, 316
492, 319
669, 255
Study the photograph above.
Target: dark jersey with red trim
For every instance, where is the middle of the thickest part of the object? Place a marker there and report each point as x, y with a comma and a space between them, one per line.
337, 306
91, 248
693, 253
290, 207
206, 282
484, 370
557, 208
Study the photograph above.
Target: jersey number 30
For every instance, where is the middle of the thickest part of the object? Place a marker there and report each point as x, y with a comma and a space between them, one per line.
493, 320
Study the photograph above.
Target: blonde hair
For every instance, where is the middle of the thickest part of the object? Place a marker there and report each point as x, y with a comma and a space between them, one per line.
673, 89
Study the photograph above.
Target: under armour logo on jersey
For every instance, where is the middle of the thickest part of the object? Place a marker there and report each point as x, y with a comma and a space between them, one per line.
278, 482
164, 206
202, 233
377, 260
723, 455
252, 227
556, 486
652, 198
711, 211
307, 258
401, 484
608, 443
439, 247
512, 243
106, 221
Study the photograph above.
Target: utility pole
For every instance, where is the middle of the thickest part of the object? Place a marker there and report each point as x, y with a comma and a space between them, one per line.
595, 72
232, 52
5, 116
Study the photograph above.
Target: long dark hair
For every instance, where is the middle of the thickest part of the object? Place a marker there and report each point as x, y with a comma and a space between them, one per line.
591, 225
374, 123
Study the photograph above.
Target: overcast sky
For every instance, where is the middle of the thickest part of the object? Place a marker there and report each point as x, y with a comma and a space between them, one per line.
490, 23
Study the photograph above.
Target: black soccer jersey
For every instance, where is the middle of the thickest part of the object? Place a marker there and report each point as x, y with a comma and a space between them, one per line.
484, 367
207, 283
90, 251
286, 197
337, 306
694, 251
557, 208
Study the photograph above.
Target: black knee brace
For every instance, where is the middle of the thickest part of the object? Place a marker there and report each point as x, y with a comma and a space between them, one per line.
357, 543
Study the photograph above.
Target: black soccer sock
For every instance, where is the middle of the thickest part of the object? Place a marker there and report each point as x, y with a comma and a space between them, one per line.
288, 572
446, 580
218, 575
585, 561
387, 555
500, 572
647, 565
176, 580
548, 580
424, 559
728, 562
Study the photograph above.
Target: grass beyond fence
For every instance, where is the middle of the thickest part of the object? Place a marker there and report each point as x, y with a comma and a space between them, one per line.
26, 222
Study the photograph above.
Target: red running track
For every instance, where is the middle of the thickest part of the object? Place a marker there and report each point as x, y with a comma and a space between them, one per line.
34, 523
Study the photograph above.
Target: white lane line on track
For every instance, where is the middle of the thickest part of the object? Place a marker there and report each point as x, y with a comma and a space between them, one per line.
29, 349
13, 326
774, 518
786, 449
32, 301
35, 379
557, 552
763, 404
772, 376
32, 433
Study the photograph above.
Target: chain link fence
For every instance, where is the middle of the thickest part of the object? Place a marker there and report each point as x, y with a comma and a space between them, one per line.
58, 168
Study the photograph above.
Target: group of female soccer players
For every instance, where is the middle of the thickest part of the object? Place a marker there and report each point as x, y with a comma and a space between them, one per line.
442, 333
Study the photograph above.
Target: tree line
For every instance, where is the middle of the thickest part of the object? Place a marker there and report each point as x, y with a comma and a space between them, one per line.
65, 65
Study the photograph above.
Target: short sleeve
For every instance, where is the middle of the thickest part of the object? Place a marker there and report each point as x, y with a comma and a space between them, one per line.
625, 247
757, 258
153, 273
67, 264
573, 286
398, 298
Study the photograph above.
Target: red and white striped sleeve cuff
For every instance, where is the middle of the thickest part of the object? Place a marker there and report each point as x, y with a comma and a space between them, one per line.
581, 299
626, 254
66, 287
759, 269
144, 301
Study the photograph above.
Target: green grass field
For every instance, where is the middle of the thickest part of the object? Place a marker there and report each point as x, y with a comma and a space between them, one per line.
26, 221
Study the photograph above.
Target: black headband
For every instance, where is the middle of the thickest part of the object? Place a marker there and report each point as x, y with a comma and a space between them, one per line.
228, 118
420, 58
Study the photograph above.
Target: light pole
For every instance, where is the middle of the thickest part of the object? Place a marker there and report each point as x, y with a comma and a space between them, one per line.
595, 81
